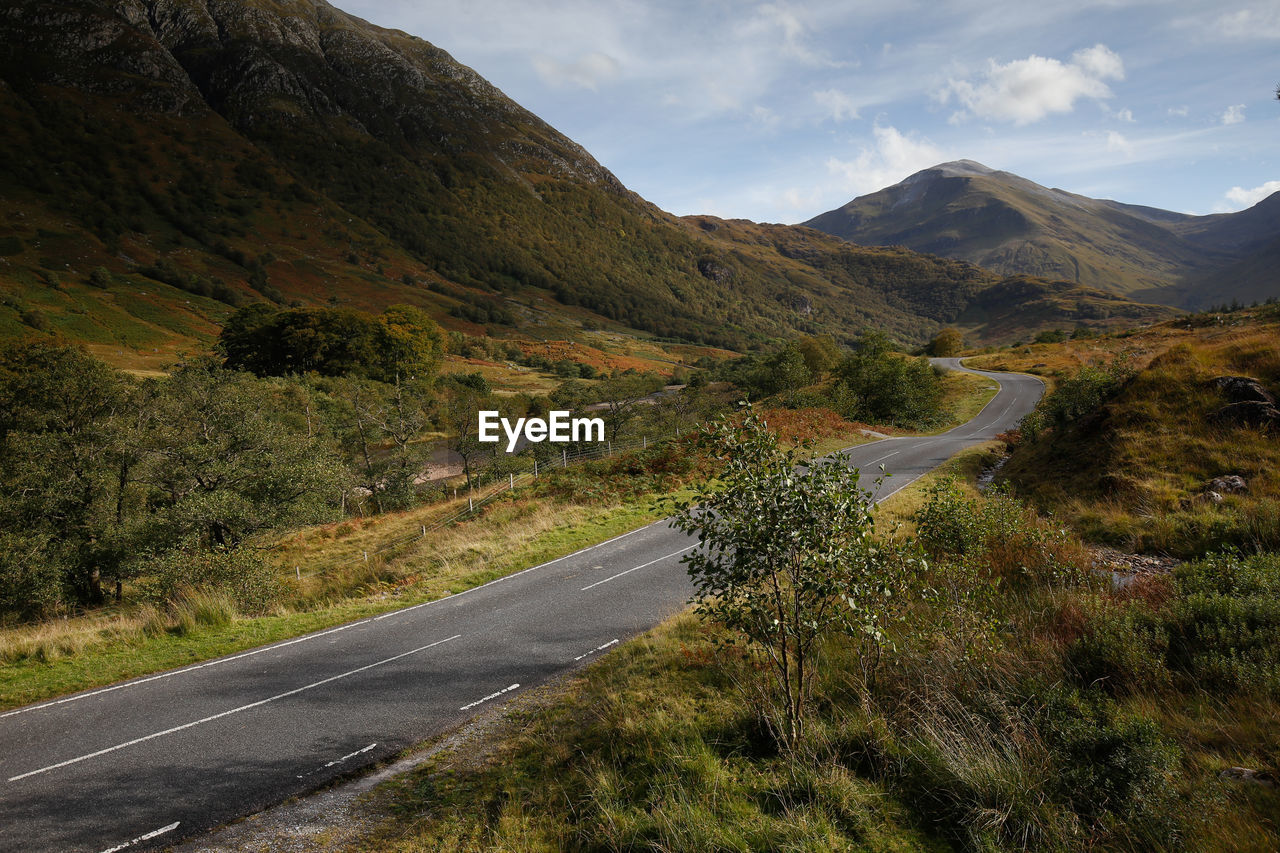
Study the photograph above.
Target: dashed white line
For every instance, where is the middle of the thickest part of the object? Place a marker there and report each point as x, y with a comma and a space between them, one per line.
185, 670
882, 458
222, 714
471, 705
637, 568
337, 761
147, 837
596, 650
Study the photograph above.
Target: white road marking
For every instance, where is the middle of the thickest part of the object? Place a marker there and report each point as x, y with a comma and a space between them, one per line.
222, 714
471, 705
637, 568
185, 670
596, 649
340, 760
141, 838
521, 572
882, 458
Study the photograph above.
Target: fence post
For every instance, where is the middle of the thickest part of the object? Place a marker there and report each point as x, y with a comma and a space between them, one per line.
366, 555
644, 442
297, 570
564, 457
471, 505
610, 448
424, 530
535, 467
511, 479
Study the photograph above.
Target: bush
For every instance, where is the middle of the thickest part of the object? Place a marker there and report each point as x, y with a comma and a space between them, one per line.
1076, 397
1122, 649
244, 576
1224, 630
1014, 544
1113, 769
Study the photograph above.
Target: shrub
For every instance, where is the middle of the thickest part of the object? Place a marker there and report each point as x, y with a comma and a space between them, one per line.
1122, 648
1015, 545
1113, 769
1224, 630
242, 575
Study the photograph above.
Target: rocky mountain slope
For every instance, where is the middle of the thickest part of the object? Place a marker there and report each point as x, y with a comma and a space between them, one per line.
164, 160
1015, 226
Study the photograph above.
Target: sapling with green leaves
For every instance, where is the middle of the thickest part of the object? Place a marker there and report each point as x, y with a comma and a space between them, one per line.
789, 558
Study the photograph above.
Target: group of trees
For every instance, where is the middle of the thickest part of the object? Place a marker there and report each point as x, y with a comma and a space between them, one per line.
868, 381
100, 473
403, 343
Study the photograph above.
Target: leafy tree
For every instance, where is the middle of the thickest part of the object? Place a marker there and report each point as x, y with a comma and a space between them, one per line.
403, 343
621, 394
876, 385
788, 559
224, 465
821, 354
947, 343
60, 460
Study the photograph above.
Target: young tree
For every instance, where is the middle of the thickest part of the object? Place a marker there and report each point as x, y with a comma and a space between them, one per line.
621, 395
788, 558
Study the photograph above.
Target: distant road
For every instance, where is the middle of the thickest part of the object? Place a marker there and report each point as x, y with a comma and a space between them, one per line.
147, 762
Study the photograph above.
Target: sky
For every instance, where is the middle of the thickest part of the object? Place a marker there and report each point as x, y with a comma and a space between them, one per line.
779, 111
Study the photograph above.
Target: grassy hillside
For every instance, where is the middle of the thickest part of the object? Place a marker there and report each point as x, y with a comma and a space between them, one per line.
181, 159
1134, 470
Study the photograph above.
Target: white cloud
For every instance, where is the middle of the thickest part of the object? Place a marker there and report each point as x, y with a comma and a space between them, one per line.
1256, 23
1240, 198
1181, 112
1124, 115
1234, 114
894, 156
1026, 90
588, 71
764, 116
1117, 142
838, 105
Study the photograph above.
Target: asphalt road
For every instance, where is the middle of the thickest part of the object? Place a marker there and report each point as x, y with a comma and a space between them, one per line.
147, 762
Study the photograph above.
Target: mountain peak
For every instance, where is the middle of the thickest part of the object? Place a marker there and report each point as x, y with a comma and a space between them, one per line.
958, 168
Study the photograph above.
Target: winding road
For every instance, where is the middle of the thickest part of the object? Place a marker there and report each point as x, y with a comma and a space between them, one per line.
144, 763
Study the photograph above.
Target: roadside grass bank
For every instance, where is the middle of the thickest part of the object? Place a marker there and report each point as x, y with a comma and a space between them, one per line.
1032, 707
64, 656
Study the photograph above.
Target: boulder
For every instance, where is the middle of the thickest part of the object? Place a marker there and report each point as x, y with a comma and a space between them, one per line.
1244, 774
1231, 484
1243, 389
1254, 413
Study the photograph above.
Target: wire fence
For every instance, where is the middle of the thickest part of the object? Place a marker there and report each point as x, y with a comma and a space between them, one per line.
479, 496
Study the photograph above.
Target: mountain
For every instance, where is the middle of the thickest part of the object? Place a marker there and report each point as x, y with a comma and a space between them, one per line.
164, 160
1011, 225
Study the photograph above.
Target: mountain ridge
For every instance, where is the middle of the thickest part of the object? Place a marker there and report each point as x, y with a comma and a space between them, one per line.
1012, 225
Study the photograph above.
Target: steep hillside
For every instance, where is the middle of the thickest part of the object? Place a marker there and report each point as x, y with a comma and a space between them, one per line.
1135, 452
1014, 226
164, 161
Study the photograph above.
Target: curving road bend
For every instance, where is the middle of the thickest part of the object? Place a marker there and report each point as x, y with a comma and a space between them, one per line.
147, 762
